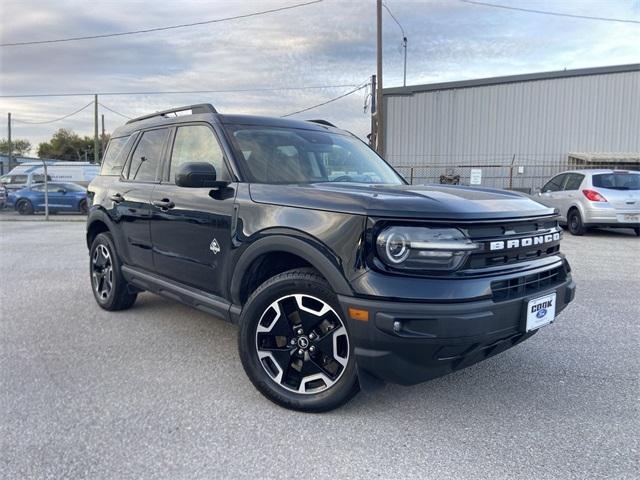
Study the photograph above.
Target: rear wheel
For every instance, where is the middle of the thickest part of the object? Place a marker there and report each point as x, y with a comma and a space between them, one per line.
24, 207
637, 230
575, 224
295, 346
109, 286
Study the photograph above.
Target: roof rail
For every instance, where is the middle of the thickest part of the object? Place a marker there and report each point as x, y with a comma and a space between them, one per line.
323, 122
198, 108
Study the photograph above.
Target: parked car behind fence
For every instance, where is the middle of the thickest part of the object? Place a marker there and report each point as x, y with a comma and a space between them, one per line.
63, 197
594, 198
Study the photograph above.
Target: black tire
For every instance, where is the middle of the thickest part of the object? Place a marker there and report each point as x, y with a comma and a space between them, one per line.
343, 384
108, 272
637, 230
575, 224
83, 207
24, 207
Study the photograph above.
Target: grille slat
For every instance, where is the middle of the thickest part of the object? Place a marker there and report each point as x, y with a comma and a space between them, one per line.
527, 284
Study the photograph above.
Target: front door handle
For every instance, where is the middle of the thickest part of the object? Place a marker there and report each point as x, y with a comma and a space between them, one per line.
164, 204
117, 198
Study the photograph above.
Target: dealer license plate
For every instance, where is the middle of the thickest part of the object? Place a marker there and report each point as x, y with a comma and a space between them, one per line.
629, 218
541, 311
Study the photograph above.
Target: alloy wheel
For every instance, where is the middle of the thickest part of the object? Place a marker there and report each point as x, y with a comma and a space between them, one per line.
302, 344
102, 271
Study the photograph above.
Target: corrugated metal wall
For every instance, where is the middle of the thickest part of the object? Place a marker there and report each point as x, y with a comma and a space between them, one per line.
539, 122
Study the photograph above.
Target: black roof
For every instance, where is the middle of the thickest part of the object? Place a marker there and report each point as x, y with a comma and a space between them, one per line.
527, 77
203, 112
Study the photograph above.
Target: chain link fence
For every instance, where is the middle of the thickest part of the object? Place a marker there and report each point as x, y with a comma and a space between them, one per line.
523, 173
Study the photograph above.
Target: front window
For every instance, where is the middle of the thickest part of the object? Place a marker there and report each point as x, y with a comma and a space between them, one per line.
292, 155
197, 143
617, 181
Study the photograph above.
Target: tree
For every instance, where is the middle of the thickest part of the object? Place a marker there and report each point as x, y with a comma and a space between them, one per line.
19, 147
67, 145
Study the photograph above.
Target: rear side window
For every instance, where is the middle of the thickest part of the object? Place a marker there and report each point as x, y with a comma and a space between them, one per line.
574, 181
555, 184
116, 155
147, 156
617, 181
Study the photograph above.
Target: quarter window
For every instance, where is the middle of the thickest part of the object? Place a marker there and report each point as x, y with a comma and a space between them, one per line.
197, 143
146, 157
116, 155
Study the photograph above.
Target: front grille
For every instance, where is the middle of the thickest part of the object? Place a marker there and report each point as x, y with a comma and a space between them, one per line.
504, 232
527, 284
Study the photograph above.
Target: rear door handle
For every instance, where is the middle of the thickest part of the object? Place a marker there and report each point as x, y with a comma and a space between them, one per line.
117, 198
164, 204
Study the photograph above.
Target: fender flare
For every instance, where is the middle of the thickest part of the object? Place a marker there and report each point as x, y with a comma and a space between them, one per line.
97, 214
311, 251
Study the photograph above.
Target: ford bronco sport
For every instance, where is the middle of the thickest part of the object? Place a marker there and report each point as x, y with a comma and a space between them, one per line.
338, 273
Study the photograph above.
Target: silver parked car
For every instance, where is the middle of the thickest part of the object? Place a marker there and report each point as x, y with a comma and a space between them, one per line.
594, 198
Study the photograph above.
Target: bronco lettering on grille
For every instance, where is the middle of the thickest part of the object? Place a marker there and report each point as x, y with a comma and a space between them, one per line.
524, 242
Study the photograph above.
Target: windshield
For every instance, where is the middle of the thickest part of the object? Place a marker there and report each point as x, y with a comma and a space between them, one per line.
291, 155
617, 181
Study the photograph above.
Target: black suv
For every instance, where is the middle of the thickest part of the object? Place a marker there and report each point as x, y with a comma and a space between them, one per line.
339, 273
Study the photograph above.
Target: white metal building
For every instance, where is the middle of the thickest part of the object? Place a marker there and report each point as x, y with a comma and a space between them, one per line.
518, 128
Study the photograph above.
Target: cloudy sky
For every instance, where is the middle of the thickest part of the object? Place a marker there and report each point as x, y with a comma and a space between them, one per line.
328, 43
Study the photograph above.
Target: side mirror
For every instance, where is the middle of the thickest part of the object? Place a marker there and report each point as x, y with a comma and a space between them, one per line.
62, 190
538, 191
198, 175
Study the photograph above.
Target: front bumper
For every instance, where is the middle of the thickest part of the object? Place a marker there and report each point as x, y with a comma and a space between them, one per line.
410, 342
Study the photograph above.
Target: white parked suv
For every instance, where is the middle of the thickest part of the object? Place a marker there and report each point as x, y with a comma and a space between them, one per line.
594, 198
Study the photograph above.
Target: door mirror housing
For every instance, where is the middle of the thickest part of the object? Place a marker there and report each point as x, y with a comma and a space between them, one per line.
62, 190
198, 175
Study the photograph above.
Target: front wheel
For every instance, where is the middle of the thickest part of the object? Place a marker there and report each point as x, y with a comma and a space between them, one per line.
83, 207
294, 344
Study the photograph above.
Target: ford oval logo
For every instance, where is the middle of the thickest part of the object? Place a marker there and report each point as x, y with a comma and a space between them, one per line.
541, 313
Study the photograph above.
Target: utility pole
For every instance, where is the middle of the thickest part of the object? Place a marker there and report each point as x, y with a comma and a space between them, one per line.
379, 103
9, 144
103, 143
96, 147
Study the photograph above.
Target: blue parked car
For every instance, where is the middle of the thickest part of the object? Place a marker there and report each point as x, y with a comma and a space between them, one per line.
63, 197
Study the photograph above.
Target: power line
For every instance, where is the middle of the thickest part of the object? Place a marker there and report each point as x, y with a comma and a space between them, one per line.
55, 119
544, 12
158, 29
174, 92
328, 101
113, 111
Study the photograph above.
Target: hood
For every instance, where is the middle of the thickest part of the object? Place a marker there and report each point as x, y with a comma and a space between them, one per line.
438, 202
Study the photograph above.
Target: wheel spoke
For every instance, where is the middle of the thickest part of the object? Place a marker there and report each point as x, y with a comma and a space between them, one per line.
274, 321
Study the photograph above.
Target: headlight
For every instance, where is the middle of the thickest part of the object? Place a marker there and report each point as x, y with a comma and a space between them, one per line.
422, 248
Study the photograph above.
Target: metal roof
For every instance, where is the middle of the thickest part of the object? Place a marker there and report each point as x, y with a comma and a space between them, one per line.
527, 77
603, 157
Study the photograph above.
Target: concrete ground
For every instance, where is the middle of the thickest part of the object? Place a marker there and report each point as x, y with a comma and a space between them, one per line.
158, 391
